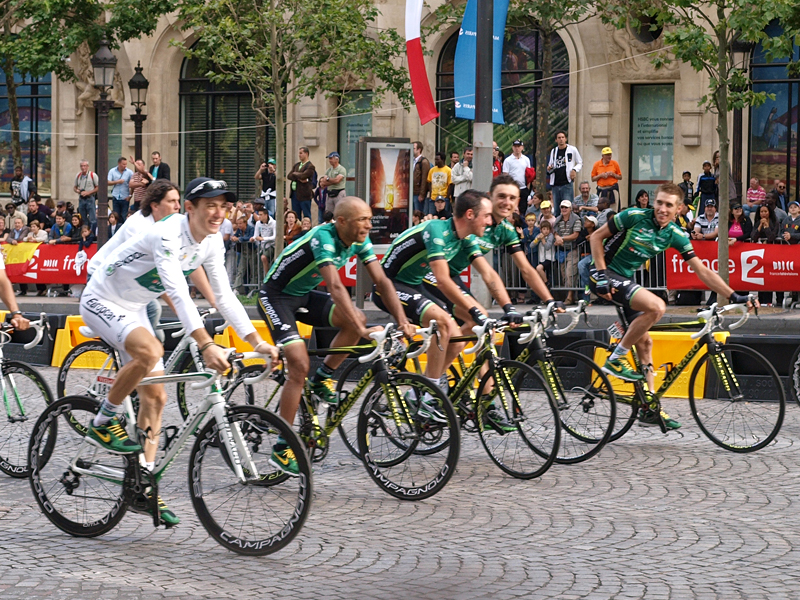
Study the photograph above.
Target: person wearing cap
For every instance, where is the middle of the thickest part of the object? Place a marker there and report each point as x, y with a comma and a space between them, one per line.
546, 208
13, 212
706, 226
266, 175
334, 182
563, 165
114, 305
585, 203
515, 165
567, 228
740, 228
606, 173
791, 224
440, 209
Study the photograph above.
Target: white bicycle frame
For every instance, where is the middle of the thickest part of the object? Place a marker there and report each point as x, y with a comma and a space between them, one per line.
39, 326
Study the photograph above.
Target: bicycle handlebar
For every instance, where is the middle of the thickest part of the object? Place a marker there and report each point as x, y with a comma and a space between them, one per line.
40, 327
213, 376
380, 338
576, 315
713, 317
204, 312
426, 334
480, 331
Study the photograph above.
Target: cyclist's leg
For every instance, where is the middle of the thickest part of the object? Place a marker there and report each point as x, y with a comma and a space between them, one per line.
652, 308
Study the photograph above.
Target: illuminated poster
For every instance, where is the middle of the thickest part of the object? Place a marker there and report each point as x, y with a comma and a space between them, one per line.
652, 137
389, 192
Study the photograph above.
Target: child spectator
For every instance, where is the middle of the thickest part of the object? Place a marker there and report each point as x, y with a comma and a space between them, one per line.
545, 244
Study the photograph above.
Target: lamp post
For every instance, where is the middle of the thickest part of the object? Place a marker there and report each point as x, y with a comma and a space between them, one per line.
138, 85
104, 64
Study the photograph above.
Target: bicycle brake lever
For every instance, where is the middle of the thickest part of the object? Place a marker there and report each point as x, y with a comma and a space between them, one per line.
439, 342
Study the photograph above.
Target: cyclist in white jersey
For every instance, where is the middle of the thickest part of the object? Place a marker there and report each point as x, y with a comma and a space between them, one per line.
114, 305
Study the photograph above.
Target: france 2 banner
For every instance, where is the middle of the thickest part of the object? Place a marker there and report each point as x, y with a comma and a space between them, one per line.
751, 267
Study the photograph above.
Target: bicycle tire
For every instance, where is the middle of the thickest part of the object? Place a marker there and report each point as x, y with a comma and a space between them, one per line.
265, 396
284, 506
27, 395
794, 365
626, 394
531, 450
382, 442
756, 419
348, 428
93, 506
77, 375
586, 405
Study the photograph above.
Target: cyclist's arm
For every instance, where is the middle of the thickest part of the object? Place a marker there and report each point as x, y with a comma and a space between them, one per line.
531, 277
220, 290
388, 294
596, 244
708, 277
341, 298
7, 296
492, 281
200, 281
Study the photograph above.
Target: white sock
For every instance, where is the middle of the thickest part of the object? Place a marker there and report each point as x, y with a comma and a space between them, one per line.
619, 352
107, 412
150, 465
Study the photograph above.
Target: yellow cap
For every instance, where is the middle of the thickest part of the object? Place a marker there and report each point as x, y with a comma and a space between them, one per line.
606, 150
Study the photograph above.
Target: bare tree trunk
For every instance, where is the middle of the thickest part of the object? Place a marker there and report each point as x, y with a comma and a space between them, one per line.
721, 100
280, 135
543, 111
13, 109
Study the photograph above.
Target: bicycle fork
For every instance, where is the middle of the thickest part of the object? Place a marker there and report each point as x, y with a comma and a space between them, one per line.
231, 436
11, 418
725, 373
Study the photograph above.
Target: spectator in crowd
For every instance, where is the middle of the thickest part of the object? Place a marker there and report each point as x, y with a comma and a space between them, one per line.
791, 224
515, 164
22, 187
291, 227
159, 169
61, 209
139, 182
120, 177
754, 197
589, 227
497, 162
75, 232
606, 173
87, 238
439, 179
453, 159
766, 228
782, 198
417, 217
113, 224
740, 228
321, 200
269, 186
305, 225
567, 228
302, 176
706, 186
547, 213
684, 218
334, 182
60, 232
13, 212
563, 165
545, 245
18, 233
642, 199
706, 226
36, 233
440, 209
772, 200
47, 206
535, 204
529, 234
86, 185
264, 236
34, 213
421, 167
585, 203
226, 229
688, 188
462, 173
604, 211
327, 217
244, 249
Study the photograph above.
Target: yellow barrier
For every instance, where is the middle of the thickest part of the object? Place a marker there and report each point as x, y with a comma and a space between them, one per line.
67, 339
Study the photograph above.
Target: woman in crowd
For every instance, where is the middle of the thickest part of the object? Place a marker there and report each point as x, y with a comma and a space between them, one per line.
740, 228
417, 217
113, 224
292, 227
767, 228
75, 233
305, 224
36, 234
642, 199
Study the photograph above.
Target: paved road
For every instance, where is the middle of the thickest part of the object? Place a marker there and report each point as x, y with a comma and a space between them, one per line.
651, 517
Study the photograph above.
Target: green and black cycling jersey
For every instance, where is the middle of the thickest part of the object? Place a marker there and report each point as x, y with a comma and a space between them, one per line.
636, 237
408, 258
297, 270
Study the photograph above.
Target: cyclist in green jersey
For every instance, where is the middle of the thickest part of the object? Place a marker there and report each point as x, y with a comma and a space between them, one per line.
443, 247
634, 236
290, 285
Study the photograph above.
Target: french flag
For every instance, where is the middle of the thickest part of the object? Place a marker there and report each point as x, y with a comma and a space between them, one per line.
416, 63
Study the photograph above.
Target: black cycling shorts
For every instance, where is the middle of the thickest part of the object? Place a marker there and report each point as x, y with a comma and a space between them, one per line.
279, 311
431, 286
414, 298
622, 290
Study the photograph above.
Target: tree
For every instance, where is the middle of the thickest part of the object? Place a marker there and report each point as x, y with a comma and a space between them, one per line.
285, 50
38, 36
704, 36
549, 17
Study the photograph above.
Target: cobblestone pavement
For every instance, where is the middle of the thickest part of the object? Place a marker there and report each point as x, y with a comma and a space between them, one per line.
652, 516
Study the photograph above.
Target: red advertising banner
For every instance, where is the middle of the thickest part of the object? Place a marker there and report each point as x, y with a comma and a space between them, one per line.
751, 267
45, 263
348, 272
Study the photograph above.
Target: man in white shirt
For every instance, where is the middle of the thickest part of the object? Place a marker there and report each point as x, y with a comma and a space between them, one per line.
462, 173
515, 165
563, 165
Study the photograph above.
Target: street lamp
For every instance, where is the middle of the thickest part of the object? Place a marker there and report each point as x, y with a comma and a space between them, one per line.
138, 85
104, 64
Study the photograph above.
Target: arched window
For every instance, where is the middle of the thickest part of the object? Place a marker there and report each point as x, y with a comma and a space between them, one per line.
773, 125
521, 80
33, 102
224, 145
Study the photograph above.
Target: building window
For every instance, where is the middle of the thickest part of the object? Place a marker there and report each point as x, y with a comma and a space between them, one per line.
219, 138
773, 125
652, 138
33, 101
355, 121
521, 80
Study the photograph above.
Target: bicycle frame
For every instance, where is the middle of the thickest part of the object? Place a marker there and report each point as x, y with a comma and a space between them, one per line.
40, 326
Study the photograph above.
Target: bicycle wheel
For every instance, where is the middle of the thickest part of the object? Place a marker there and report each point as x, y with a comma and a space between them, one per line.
395, 453
741, 404
626, 395
585, 401
89, 369
794, 365
25, 396
258, 516
521, 393
79, 487
345, 386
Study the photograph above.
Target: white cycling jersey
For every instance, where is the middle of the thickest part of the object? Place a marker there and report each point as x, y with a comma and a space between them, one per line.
136, 224
157, 262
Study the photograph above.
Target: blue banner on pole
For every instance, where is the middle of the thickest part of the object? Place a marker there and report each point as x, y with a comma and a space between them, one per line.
464, 67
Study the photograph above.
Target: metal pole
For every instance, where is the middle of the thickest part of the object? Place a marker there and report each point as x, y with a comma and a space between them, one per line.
102, 106
138, 119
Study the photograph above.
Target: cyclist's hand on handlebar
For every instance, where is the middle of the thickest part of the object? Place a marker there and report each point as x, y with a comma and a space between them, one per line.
558, 305
268, 350
735, 298
367, 330
216, 358
477, 315
511, 315
408, 330
20, 323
